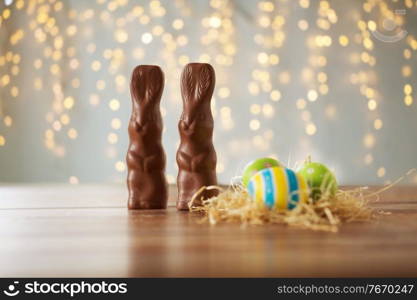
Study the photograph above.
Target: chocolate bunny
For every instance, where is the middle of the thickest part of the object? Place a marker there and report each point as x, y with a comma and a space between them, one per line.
196, 157
146, 157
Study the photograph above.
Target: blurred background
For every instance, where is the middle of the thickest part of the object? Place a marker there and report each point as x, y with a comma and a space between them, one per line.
332, 79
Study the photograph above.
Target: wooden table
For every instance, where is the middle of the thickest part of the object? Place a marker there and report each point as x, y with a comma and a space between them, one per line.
57, 231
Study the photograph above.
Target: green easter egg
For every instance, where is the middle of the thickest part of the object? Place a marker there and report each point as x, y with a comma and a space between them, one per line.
257, 165
319, 179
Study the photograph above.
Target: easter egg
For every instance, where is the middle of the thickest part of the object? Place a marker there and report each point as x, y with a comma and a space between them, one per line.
257, 165
319, 178
278, 188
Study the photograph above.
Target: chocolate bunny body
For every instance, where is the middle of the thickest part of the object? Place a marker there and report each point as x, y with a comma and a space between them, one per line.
196, 156
146, 157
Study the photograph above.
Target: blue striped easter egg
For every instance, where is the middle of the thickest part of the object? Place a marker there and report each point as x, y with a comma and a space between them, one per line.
278, 188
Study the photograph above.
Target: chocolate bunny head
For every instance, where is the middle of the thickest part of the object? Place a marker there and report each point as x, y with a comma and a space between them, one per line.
146, 89
197, 85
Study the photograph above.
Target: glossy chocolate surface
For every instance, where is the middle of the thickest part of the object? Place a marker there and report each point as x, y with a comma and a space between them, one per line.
196, 157
146, 157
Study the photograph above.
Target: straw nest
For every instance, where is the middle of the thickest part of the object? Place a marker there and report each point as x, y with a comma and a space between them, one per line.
233, 204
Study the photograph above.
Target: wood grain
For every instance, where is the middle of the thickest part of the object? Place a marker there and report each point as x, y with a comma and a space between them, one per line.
59, 231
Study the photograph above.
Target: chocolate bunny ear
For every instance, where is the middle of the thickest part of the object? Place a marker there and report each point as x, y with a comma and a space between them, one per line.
197, 82
187, 83
147, 82
137, 86
206, 82
155, 83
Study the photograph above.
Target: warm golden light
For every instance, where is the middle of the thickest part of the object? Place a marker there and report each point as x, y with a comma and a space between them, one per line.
311, 129
82, 58
254, 124
69, 102
114, 104
147, 38
120, 166
312, 95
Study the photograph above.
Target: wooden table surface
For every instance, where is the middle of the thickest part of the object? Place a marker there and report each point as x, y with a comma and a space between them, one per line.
62, 230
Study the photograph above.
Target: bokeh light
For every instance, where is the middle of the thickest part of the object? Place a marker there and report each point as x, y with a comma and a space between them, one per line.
291, 77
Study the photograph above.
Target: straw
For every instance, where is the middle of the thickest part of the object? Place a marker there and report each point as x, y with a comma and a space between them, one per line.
328, 213
234, 204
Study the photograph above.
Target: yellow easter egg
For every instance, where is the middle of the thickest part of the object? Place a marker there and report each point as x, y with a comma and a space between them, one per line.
278, 188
